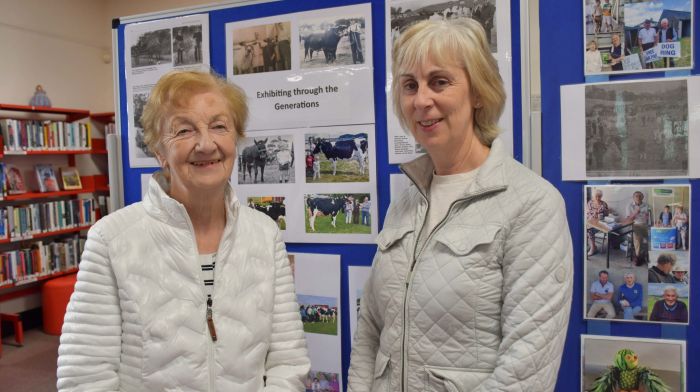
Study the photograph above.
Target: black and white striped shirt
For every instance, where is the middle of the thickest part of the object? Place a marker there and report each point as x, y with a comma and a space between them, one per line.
208, 262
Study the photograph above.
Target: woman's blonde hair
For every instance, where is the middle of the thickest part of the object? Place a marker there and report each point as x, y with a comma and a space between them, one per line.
460, 41
175, 89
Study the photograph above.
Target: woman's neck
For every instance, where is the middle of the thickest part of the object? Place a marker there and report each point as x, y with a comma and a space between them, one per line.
207, 212
466, 158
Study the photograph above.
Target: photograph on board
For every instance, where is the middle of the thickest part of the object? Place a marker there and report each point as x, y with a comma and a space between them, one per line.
321, 382
614, 363
152, 48
262, 48
318, 314
330, 41
187, 45
272, 206
405, 13
640, 36
141, 150
669, 302
337, 213
637, 129
265, 159
636, 235
336, 157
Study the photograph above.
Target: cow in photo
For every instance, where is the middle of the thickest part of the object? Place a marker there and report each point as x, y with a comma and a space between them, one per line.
275, 210
324, 205
326, 41
253, 158
354, 148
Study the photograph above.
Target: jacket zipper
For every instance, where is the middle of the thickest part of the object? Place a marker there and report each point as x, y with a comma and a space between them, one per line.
409, 277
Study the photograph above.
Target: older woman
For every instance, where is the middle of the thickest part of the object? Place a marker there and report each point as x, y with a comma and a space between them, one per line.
470, 288
188, 289
669, 309
596, 209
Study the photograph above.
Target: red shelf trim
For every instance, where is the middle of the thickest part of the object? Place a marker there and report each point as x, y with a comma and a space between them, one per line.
71, 114
22, 293
47, 234
104, 117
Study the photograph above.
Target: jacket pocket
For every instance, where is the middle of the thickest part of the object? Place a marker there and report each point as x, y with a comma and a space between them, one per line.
390, 235
382, 373
462, 240
446, 379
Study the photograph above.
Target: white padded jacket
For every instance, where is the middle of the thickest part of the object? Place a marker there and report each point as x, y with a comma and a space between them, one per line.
137, 318
484, 305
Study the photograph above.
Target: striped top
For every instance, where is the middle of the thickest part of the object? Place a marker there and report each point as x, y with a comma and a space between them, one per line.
208, 262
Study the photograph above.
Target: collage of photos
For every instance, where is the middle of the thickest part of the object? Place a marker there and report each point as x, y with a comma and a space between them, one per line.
317, 186
494, 17
637, 264
153, 49
276, 61
612, 363
624, 36
317, 281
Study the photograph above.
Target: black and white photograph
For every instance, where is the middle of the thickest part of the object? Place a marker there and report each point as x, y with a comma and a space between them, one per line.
635, 236
152, 48
405, 13
266, 159
272, 206
187, 45
637, 129
336, 157
142, 150
614, 363
332, 41
338, 213
262, 48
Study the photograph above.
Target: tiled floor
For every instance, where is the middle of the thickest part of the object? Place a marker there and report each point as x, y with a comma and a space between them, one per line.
32, 367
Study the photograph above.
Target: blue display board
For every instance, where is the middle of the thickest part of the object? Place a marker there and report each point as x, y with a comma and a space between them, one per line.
350, 254
562, 62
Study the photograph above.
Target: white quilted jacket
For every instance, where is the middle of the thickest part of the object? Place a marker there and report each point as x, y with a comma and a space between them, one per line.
486, 305
137, 318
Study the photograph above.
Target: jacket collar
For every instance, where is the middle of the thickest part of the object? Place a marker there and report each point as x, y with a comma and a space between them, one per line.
161, 206
490, 178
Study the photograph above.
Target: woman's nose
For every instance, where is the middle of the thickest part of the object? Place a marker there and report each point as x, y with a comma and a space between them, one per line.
205, 142
423, 98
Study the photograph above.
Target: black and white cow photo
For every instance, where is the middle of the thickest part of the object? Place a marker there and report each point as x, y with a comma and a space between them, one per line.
337, 158
272, 206
265, 159
338, 213
332, 41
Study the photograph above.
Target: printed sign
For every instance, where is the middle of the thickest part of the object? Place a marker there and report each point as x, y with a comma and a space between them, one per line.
670, 49
651, 55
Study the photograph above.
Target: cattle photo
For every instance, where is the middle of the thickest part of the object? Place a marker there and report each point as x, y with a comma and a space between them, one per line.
338, 213
332, 41
272, 206
263, 48
337, 158
266, 160
152, 48
318, 314
405, 13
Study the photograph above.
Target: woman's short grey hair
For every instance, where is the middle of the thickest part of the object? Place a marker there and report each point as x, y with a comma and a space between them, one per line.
461, 42
599, 192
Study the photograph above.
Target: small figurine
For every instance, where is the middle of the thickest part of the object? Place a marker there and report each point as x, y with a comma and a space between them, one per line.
627, 376
40, 98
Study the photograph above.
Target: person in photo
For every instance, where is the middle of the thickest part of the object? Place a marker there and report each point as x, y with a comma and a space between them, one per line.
596, 209
597, 16
618, 52
638, 212
665, 217
365, 208
349, 204
647, 39
188, 289
316, 164
670, 308
606, 10
666, 34
630, 296
476, 230
594, 63
680, 221
355, 36
661, 272
601, 295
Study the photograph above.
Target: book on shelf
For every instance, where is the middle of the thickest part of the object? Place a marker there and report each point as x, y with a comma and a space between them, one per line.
29, 135
14, 180
3, 183
46, 176
40, 259
25, 221
70, 177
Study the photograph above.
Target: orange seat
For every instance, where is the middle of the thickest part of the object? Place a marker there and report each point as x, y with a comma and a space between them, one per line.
55, 295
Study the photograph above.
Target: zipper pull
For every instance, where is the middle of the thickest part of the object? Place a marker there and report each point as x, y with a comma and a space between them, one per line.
210, 320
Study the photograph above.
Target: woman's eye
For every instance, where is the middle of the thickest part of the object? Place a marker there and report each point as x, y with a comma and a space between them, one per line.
441, 83
220, 127
410, 86
182, 132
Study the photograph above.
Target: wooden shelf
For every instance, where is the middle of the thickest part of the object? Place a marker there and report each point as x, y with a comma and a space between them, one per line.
96, 183
46, 234
34, 278
71, 114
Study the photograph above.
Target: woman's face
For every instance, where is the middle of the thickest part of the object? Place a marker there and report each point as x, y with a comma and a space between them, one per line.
198, 144
438, 105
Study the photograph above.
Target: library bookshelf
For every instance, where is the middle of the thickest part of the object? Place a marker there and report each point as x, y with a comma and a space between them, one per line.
43, 233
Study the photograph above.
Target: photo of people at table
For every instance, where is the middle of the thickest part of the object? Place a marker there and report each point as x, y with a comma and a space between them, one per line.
637, 129
637, 240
